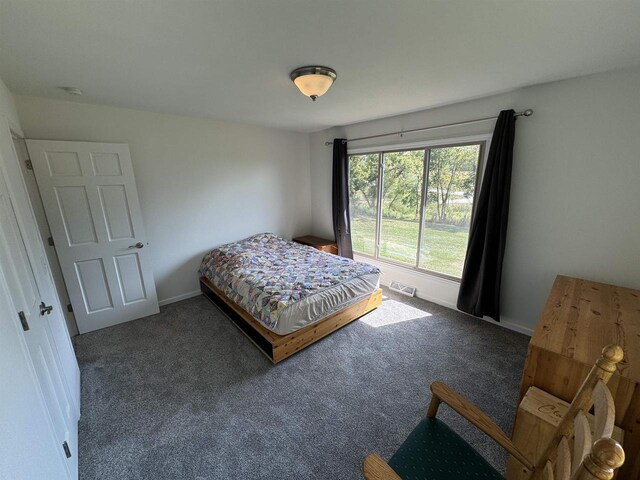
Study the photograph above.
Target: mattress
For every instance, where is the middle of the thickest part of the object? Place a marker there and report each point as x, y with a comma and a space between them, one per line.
285, 285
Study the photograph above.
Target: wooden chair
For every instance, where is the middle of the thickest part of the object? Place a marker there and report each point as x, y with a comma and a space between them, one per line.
434, 452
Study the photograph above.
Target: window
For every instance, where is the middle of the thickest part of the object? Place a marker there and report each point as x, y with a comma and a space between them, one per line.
363, 199
413, 206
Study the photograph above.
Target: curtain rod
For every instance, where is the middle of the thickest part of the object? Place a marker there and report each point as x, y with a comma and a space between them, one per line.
526, 113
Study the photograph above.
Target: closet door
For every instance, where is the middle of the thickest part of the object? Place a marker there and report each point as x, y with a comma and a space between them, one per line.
29, 447
19, 276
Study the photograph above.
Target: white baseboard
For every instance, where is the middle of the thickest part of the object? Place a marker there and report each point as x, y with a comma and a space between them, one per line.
177, 298
433, 289
420, 293
508, 325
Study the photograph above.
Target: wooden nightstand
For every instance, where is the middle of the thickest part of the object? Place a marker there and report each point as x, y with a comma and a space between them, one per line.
321, 244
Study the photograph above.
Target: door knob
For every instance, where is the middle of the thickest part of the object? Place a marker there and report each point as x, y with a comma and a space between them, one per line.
137, 245
45, 308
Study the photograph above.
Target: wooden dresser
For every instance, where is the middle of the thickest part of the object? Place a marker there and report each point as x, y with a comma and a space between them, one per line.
322, 244
578, 320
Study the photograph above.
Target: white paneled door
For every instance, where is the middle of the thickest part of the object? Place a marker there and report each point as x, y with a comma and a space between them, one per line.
37, 318
91, 202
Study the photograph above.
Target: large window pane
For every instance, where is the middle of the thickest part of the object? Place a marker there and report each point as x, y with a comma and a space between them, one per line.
402, 189
363, 195
449, 205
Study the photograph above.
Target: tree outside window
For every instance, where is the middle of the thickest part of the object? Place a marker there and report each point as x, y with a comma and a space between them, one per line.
425, 226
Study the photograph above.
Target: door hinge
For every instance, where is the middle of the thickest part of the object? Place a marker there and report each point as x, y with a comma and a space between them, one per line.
50, 241
28, 163
67, 450
23, 320
70, 308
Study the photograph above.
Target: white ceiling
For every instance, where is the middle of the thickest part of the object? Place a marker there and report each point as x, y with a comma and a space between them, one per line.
230, 59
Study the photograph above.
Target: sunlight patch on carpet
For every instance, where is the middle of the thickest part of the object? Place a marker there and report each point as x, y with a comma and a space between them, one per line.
392, 312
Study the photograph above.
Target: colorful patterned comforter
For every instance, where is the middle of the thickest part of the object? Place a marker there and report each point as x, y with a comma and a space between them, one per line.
265, 274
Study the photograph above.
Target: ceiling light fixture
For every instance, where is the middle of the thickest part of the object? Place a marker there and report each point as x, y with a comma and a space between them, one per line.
71, 90
313, 81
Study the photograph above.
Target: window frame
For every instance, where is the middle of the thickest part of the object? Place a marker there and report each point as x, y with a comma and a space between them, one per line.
484, 140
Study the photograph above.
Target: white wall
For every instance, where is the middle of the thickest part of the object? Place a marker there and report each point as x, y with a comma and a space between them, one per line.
8, 108
574, 202
201, 182
575, 193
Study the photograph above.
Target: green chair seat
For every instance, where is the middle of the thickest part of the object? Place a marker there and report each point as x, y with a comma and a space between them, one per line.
435, 452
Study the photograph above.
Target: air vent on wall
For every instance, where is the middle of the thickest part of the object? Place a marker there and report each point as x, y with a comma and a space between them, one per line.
402, 288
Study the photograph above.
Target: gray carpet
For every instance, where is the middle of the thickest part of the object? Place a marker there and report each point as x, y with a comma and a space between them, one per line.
184, 395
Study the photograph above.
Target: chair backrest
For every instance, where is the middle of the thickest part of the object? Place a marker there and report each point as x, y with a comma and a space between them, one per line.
573, 453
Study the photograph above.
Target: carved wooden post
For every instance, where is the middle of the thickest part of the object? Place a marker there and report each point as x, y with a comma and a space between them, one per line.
604, 368
606, 455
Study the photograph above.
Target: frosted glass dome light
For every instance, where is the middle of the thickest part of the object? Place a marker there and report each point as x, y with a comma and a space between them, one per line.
313, 81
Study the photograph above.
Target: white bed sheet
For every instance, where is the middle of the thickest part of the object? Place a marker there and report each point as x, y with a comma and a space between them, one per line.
320, 305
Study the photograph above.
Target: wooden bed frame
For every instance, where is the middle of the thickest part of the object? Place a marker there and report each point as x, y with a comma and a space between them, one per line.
278, 347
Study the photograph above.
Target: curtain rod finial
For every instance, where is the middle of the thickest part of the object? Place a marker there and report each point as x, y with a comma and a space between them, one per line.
528, 112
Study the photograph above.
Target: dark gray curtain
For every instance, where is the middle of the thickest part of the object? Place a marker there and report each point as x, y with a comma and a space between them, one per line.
341, 218
480, 286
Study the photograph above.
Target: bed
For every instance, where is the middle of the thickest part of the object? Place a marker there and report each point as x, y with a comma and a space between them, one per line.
285, 296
